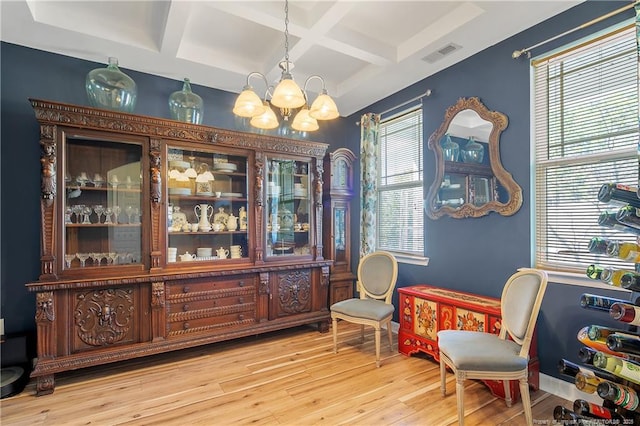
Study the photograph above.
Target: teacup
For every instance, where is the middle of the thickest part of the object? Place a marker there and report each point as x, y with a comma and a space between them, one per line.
194, 227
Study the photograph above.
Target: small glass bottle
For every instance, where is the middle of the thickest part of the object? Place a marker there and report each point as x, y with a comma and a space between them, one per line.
625, 312
624, 343
110, 88
628, 216
620, 395
585, 355
450, 149
597, 302
618, 193
629, 252
594, 272
184, 105
618, 366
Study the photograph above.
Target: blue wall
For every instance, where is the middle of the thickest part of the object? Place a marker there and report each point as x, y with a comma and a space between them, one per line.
475, 255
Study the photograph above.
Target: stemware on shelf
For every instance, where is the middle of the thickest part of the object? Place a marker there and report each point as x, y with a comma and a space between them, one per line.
86, 212
116, 214
83, 258
99, 210
108, 212
68, 258
77, 211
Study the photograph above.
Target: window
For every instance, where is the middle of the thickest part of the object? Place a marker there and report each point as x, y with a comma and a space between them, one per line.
585, 134
400, 217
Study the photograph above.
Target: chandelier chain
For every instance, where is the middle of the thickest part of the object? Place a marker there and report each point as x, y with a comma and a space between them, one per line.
286, 33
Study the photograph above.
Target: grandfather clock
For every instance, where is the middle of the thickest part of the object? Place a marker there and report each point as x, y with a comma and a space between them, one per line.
338, 192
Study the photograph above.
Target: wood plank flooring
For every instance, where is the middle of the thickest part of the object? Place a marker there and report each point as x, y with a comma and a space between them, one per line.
291, 377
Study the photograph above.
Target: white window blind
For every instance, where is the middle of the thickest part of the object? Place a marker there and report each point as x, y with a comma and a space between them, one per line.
400, 187
586, 134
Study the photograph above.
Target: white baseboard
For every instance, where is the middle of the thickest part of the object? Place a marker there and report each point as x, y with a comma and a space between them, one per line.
566, 390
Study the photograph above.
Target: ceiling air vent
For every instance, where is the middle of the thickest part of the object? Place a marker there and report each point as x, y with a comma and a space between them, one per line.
441, 53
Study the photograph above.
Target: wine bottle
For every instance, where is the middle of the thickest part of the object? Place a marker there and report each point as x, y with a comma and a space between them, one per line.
618, 193
568, 368
587, 383
625, 312
613, 276
594, 272
630, 280
565, 416
624, 343
589, 409
628, 215
622, 368
598, 245
585, 355
621, 395
629, 252
600, 332
597, 302
597, 344
608, 220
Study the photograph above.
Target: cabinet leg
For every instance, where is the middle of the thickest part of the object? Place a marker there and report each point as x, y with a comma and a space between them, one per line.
45, 385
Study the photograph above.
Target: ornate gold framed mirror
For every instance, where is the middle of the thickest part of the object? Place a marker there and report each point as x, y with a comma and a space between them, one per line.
470, 180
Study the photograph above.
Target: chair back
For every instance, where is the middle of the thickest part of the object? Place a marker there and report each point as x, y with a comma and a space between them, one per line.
377, 275
520, 303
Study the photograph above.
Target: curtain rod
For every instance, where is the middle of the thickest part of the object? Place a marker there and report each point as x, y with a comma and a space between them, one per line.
425, 94
517, 53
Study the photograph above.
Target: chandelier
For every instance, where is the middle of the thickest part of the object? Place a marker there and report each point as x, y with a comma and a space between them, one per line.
287, 96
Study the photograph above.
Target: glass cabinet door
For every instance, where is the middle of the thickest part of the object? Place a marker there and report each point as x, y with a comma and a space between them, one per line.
207, 212
103, 203
288, 208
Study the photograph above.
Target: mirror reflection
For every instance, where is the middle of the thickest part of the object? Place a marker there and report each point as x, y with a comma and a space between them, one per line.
470, 180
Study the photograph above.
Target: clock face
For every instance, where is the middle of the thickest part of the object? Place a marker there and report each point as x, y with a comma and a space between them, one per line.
341, 174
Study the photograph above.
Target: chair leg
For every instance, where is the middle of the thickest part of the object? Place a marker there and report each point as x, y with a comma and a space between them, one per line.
335, 335
507, 393
526, 400
443, 381
460, 398
377, 345
390, 336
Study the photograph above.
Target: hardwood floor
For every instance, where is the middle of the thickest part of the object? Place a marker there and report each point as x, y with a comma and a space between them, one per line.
291, 377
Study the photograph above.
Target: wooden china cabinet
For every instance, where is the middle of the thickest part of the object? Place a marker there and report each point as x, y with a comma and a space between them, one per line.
338, 192
158, 235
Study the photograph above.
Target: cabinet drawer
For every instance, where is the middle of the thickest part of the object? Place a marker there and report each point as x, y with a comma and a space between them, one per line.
206, 320
211, 300
187, 290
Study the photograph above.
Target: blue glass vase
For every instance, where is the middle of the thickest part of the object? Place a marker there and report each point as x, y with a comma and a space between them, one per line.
110, 88
184, 105
450, 149
473, 152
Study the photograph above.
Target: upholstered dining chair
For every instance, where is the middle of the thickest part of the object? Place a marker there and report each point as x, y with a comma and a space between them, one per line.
478, 355
377, 274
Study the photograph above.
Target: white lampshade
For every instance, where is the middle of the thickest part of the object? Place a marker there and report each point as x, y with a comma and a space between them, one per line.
191, 173
248, 104
303, 122
287, 94
324, 108
267, 120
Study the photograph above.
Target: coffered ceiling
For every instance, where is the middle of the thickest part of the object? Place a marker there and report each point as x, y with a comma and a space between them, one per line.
365, 50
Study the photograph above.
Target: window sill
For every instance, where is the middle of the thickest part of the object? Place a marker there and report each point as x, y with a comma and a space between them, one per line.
569, 278
412, 260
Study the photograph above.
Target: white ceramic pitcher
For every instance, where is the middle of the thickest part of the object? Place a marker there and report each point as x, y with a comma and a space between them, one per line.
203, 213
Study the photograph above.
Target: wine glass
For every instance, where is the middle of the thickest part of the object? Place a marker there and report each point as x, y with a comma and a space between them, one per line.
96, 258
68, 211
77, 210
136, 215
112, 257
68, 258
83, 258
108, 212
116, 213
86, 211
99, 209
103, 256
129, 212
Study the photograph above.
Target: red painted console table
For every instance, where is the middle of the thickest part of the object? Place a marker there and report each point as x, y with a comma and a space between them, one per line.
424, 310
